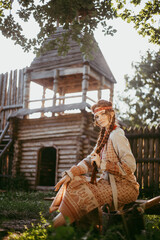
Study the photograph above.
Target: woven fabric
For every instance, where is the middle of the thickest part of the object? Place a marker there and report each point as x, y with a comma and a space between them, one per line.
82, 197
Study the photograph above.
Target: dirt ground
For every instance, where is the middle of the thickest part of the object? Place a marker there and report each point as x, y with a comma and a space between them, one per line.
16, 226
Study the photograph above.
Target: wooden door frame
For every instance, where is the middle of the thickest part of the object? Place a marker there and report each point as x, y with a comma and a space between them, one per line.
37, 164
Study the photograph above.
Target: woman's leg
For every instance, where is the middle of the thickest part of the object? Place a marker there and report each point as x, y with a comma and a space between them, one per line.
59, 220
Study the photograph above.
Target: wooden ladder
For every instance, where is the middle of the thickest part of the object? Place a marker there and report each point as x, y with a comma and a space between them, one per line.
5, 140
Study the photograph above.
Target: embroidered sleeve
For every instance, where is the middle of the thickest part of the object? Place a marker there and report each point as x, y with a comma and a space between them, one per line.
127, 164
82, 167
118, 168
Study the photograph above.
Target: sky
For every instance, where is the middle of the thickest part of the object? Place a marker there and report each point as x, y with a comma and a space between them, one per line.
120, 50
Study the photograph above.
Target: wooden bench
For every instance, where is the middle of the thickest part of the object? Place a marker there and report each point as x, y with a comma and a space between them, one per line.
151, 206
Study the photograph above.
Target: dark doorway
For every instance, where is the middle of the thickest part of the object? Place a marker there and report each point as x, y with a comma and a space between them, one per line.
47, 166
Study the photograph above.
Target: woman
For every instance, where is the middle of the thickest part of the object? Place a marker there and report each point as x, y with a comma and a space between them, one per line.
117, 185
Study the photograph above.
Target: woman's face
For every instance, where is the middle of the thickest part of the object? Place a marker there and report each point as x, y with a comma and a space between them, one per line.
102, 119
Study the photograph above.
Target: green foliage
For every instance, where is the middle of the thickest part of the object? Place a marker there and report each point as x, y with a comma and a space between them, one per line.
38, 231
46, 231
79, 17
152, 226
4, 4
144, 16
145, 84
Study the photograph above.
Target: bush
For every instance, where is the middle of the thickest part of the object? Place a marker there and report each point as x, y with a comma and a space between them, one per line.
14, 183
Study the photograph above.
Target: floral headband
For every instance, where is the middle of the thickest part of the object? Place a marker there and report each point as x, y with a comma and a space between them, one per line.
102, 108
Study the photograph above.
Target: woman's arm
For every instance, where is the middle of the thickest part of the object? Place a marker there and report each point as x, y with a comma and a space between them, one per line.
127, 164
82, 167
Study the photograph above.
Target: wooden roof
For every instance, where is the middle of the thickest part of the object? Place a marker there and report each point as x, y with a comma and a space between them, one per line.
51, 60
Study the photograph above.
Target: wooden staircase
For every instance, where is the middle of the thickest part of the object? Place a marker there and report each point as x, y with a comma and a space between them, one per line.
5, 140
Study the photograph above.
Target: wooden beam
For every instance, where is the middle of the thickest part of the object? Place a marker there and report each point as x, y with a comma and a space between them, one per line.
4, 91
20, 86
14, 88
1, 84
4, 132
111, 93
9, 89
8, 107
86, 70
43, 101
55, 85
43, 74
100, 87
6, 147
26, 88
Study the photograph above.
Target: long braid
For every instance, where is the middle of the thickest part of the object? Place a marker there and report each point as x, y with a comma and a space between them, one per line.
104, 135
101, 135
102, 140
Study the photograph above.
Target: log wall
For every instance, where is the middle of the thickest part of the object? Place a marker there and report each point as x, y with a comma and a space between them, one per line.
69, 134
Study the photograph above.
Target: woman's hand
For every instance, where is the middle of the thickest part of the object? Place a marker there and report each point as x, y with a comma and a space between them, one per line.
95, 158
65, 179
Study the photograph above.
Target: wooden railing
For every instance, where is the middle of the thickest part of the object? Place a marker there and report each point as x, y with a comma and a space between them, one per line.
59, 98
5, 141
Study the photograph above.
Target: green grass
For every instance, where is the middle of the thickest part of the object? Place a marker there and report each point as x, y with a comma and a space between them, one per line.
24, 205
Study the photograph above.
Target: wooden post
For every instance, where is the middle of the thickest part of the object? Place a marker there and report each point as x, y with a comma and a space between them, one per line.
85, 79
21, 96
14, 88
61, 94
4, 99
151, 155
26, 88
55, 85
43, 102
157, 164
146, 151
1, 84
140, 154
111, 93
100, 87
20, 84
9, 89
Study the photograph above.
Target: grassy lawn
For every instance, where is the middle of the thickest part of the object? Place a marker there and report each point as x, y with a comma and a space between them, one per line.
19, 208
24, 205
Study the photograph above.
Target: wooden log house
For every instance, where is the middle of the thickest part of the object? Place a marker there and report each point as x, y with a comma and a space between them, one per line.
45, 147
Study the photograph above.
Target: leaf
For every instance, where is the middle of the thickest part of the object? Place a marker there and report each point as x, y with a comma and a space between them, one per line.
128, 20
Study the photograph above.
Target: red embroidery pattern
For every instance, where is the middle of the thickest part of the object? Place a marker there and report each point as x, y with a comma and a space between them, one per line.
102, 108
